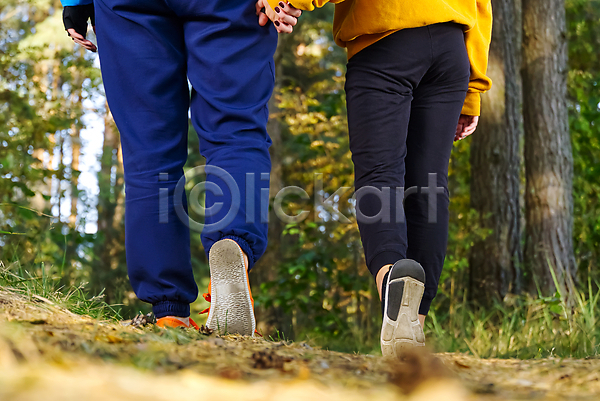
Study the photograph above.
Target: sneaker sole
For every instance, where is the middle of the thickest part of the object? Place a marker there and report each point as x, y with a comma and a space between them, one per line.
230, 308
404, 332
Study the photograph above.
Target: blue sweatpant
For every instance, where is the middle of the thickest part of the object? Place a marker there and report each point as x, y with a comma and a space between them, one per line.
148, 51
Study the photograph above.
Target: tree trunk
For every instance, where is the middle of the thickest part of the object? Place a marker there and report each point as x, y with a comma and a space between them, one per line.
109, 248
495, 260
70, 255
76, 152
548, 154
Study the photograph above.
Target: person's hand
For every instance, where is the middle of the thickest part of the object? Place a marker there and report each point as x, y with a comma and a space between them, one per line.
75, 19
284, 17
77, 38
466, 126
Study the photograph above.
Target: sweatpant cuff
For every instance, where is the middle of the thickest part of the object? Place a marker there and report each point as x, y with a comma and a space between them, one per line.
245, 247
170, 308
425, 305
382, 259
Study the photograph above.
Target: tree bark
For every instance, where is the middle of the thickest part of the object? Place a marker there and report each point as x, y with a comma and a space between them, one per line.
548, 153
494, 260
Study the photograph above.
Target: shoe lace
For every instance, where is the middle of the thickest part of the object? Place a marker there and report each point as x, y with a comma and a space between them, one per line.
194, 325
207, 298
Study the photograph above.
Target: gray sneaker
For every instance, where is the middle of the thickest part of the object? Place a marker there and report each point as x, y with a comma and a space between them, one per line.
401, 329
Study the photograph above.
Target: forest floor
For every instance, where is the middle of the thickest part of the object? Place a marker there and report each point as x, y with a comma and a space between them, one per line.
49, 353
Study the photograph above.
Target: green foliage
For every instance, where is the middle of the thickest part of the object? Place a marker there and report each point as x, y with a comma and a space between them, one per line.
584, 118
464, 230
44, 83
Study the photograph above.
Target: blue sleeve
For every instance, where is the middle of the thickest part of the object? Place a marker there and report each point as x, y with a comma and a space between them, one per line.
67, 3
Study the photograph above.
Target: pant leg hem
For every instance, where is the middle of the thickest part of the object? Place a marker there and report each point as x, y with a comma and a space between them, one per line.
425, 305
171, 308
245, 247
383, 258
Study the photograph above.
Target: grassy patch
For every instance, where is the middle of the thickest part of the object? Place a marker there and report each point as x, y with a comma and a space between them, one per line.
519, 327
522, 327
46, 287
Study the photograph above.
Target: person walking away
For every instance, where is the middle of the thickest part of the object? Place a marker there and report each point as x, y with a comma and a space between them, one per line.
148, 51
415, 73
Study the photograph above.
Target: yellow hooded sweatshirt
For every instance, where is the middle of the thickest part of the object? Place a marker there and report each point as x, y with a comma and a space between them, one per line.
360, 23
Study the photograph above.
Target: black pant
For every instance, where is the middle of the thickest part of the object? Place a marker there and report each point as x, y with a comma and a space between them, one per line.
404, 96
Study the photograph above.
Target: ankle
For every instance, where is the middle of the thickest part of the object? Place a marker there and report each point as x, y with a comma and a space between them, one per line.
380, 276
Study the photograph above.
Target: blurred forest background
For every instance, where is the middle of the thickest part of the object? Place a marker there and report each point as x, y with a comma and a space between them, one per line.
521, 274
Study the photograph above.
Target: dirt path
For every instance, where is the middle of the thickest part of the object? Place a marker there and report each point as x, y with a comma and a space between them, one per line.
48, 353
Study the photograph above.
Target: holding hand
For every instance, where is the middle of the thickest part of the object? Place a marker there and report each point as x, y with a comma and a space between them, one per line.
75, 19
284, 17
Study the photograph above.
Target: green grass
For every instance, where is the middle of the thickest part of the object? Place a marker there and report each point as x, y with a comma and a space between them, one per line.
522, 327
44, 285
519, 327
525, 328
564, 325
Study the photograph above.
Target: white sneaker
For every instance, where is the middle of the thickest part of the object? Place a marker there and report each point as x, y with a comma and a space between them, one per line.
401, 329
231, 304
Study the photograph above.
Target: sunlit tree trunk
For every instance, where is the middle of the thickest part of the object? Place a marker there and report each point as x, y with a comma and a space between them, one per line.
548, 154
495, 260
71, 241
109, 247
76, 152
49, 82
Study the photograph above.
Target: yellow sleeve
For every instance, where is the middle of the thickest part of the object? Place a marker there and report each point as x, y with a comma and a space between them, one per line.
306, 5
477, 41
